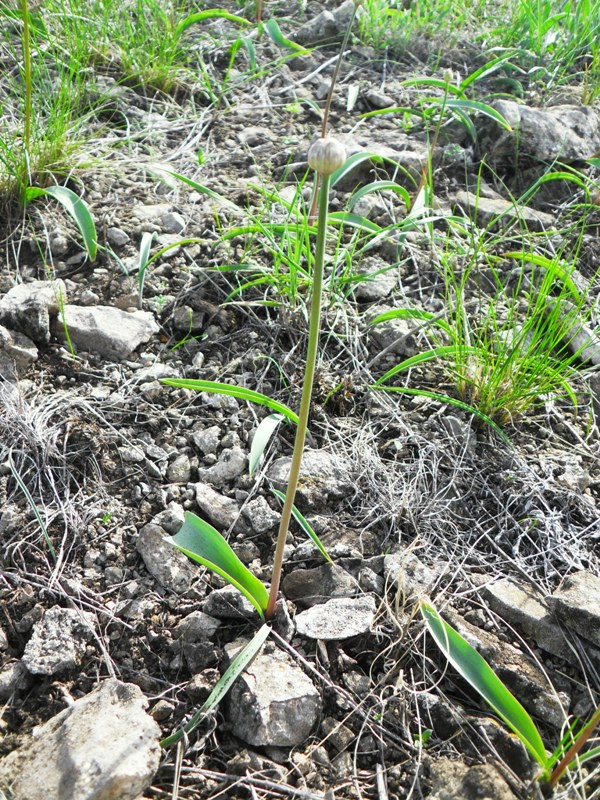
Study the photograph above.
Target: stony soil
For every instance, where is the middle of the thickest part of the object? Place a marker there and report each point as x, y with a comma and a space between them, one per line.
411, 498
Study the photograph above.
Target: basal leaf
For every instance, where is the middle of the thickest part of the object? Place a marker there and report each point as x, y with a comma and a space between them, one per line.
210, 13
477, 672
204, 544
75, 208
261, 439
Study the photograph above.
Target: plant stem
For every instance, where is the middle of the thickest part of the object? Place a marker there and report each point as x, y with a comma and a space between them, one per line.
309, 374
27, 79
575, 748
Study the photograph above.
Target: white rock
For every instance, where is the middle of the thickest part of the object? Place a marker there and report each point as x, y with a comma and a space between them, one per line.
103, 747
163, 560
231, 464
109, 331
17, 352
339, 618
273, 703
58, 641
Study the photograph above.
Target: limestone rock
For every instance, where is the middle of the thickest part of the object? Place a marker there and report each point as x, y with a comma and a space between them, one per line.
323, 477
260, 516
231, 464
273, 703
221, 511
13, 678
163, 560
58, 641
337, 619
454, 780
17, 352
328, 26
414, 578
524, 606
103, 747
228, 603
569, 133
577, 603
28, 307
108, 331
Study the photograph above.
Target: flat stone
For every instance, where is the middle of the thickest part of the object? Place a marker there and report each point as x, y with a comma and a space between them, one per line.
116, 236
337, 619
28, 308
521, 675
108, 331
497, 208
103, 747
196, 627
313, 586
58, 641
207, 440
577, 603
179, 470
524, 606
273, 703
221, 511
323, 477
164, 561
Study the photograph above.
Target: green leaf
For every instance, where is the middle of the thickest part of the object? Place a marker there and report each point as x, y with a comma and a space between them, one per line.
232, 673
204, 544
274, 31
211, 13
77, 210
477, 672
261, 439
595, 162
413, 313
380, 186
426, 355
145, 247
304, 524
232, 391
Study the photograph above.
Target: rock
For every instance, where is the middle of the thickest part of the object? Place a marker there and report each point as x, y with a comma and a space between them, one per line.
14, 677
103, 747
172, 222
524, 606
179, 470
108, 331
313, 586
522, 676
228, 603
260, 515
17, 352
326, 27
337, 619
117, 237
196, 627
569, 133
396, 336
152, 212
379, 99
273, 703
221, 511
454, 780
497, 208
58, 641
164, 561
577, 603
28, 307
207, 440
373, 283
231, 464
414, 578
323, 477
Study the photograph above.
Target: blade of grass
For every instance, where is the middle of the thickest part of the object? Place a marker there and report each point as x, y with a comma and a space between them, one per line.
261, 439
77, 210
304, 524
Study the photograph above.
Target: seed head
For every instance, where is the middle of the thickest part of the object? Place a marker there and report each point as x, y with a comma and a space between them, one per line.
326, 155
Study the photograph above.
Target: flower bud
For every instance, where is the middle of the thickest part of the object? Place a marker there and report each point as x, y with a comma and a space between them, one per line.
326, 155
